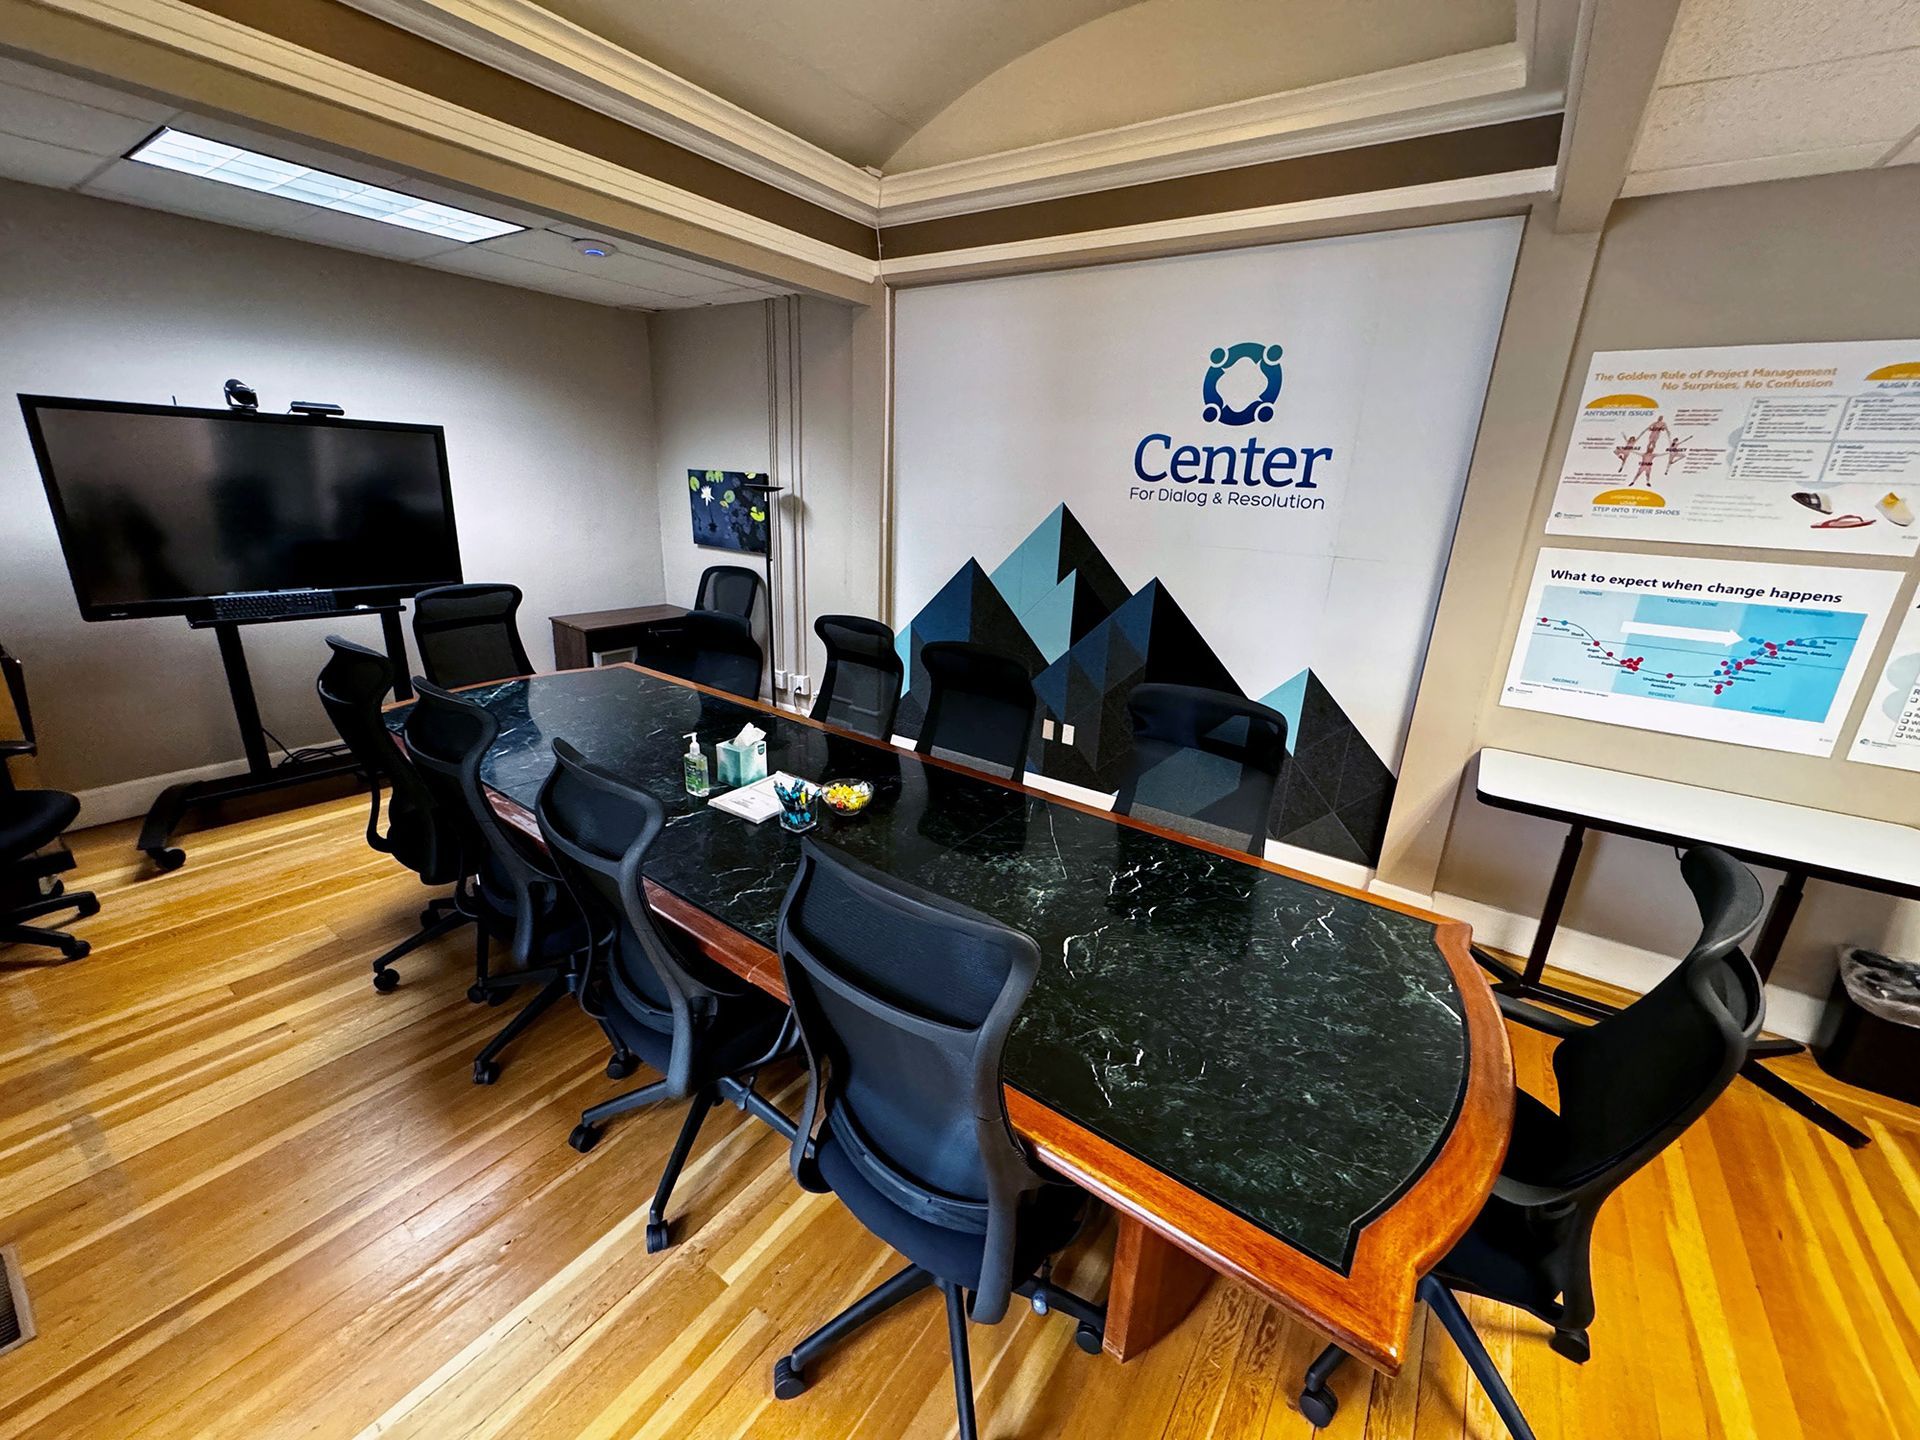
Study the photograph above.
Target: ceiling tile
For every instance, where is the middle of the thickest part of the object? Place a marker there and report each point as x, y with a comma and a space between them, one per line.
371, 237
36, 115
39, 163
484, 264
1718, 38
53, 82
1783, 112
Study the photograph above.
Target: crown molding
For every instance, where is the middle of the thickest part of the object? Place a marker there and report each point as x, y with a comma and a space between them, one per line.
1509, 192
533, 44
1456, 92
205, 36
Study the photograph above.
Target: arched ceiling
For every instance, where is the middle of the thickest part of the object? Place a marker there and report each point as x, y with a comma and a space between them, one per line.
900, 84
856, 77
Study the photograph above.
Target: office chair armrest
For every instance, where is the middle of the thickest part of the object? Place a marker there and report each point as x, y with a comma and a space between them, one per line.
10, 748
1534, 1018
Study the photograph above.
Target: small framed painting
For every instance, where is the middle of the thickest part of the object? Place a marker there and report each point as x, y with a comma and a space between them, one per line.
726, 516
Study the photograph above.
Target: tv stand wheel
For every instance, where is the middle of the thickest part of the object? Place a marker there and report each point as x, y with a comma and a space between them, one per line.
167, 857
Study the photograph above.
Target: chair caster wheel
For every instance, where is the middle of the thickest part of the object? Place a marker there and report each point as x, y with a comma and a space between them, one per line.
787, 1381
1088, 1339
89, 906
658, 1236
167, 858
620, 1067
1319, 1406
386, 981
1039, 1303
1573, 1344
75, 949
478, 994
584, 1137
485, 1072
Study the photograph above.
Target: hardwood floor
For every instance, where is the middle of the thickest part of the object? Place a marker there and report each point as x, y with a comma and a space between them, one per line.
255, 1199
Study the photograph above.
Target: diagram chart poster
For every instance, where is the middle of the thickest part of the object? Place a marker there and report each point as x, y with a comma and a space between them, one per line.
1748, 653
1779, 447
1890, 732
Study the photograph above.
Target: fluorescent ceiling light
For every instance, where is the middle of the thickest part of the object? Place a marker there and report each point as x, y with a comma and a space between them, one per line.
249, 170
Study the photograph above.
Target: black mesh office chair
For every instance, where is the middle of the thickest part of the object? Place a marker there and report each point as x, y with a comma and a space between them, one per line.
860, 689
658, 1000
31, 820
722, 652
352, 687
904, 1001
468, 635
514, 897
980, 705
1629, 1086
730, 589
1206, 762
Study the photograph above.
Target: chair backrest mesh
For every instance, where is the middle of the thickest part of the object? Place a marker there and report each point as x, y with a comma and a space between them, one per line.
724, 654
980, 705
860, 689
732, 589
908, 999
353, 685
1631, 1083
1206, 762
598, 832
448, 737
468, 635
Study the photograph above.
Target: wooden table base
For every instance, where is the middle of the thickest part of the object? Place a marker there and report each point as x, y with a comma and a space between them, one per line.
1154, 1286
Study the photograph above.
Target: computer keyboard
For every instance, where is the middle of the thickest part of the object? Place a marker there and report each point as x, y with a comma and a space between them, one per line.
272, 604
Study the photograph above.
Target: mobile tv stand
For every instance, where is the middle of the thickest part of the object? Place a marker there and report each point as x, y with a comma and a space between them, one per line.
261, 775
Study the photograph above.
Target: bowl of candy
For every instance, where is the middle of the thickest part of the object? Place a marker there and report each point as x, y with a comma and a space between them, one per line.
846, 797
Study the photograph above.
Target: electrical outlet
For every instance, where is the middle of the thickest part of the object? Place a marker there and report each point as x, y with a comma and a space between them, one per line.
1046, 729
802, 685
779, 680
1066, 734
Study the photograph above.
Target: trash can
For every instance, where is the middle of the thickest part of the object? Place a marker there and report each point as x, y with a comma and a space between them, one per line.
1873, 1021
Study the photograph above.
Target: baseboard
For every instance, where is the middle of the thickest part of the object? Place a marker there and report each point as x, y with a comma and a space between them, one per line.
131, 798
1789, 1012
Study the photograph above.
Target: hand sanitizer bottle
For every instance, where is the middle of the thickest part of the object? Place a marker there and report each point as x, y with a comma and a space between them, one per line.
695, 767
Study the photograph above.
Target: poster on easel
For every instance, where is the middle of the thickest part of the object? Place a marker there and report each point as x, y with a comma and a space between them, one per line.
1889, 733
1779, 447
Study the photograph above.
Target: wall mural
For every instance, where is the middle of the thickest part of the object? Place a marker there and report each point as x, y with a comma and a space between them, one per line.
1088, 639
1240, 471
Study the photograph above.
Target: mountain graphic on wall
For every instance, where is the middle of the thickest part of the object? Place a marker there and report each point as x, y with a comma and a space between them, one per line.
1059, 584
1336, 790
968, 607
1056, 604
1147, 638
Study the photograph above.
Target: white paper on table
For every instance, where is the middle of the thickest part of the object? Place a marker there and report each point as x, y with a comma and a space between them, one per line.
756, 802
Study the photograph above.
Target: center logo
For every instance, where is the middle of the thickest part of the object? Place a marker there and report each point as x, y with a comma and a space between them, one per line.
1223, 361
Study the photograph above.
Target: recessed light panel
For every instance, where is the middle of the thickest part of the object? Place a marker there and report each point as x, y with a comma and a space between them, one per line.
249, 170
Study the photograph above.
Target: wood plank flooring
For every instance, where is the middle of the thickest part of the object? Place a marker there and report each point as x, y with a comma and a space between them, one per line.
254, 1199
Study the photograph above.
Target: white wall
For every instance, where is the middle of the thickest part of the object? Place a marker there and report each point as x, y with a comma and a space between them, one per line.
712, 411
547, 405
769, 386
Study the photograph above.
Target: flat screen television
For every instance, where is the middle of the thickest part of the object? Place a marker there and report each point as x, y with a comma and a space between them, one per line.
161, 508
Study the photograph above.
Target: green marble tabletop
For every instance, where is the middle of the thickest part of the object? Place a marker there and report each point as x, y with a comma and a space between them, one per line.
1293, 1053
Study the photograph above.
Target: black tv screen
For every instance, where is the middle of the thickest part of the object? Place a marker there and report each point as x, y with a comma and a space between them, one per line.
160, 508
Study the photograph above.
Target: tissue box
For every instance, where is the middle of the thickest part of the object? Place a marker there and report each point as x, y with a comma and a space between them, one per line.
742, 764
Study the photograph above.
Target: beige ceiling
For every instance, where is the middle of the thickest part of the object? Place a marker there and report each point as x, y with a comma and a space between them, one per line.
898, 84
1769, 89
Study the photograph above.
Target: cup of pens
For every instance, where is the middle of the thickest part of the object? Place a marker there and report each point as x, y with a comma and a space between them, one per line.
799, 805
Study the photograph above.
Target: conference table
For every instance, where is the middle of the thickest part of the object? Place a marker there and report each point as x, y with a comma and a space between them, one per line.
1265, 1075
